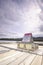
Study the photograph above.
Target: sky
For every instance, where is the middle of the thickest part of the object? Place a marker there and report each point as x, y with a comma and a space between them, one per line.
18, 17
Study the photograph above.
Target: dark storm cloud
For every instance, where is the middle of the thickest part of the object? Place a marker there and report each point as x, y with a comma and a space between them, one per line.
5, 9
2, 3
12, 11
2, 35
40, 3
41, 16
41, 28
21, 2
17, 15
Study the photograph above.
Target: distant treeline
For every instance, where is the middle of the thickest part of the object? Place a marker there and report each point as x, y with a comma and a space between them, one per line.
11, 39
38, 38
20, 39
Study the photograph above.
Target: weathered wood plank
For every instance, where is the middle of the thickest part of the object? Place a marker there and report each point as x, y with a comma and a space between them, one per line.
37, 60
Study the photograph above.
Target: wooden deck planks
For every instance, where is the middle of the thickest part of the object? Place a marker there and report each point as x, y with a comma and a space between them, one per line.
37, 60
28, 60
19, 60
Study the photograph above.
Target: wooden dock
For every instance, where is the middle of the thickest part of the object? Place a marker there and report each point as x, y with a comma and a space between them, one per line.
14, 57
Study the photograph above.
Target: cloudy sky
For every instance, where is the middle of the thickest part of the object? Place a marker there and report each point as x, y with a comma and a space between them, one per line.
21, 16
